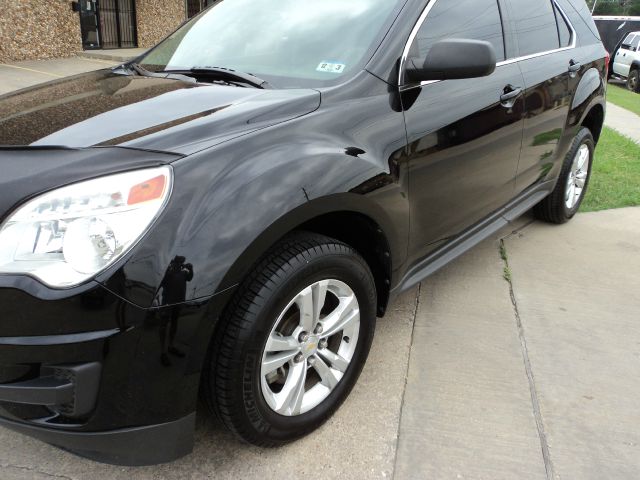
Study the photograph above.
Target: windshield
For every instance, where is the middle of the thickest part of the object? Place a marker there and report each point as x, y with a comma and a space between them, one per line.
290, 43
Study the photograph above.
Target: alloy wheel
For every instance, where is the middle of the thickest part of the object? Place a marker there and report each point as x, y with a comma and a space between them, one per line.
577, 177
310, 347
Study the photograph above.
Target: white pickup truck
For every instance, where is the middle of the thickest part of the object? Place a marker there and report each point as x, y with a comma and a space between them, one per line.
626, 63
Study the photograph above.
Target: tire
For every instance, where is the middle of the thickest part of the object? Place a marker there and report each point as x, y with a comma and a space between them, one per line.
557, 207
235, 385
633, 81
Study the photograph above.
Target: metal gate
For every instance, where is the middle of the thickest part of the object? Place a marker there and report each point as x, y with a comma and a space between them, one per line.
194, 7
117, 23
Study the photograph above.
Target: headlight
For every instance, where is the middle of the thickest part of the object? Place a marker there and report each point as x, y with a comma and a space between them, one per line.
67, 236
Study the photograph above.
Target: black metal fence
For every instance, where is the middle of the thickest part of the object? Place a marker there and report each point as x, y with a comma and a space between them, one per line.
118, 23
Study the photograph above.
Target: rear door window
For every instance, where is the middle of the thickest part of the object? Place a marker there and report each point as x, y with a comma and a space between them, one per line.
535, 26
468, 19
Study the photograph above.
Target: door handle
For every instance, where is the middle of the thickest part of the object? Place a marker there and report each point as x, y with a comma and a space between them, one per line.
510, 94
574, 66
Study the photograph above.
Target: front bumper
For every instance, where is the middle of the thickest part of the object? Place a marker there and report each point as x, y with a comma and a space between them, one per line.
100, 377
137, 446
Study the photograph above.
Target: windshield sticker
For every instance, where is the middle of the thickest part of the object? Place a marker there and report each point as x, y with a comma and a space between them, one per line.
331, 67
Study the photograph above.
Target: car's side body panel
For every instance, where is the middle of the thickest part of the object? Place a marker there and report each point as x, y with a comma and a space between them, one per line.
463, 158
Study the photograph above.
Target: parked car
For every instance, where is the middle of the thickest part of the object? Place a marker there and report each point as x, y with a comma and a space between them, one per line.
230, 212
626, 64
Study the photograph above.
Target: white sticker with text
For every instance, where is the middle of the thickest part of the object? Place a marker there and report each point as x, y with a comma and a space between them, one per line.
331, 67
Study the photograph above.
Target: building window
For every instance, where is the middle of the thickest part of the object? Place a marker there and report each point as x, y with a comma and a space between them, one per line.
194, 7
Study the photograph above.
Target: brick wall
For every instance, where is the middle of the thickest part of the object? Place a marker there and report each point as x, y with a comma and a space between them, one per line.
38, 29
157, 19
34, 29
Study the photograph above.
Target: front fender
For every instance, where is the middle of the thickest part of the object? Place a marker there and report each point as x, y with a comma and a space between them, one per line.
225, 213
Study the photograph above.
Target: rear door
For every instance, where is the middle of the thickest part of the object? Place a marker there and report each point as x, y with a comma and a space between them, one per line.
464, 135
545, 58
625, 55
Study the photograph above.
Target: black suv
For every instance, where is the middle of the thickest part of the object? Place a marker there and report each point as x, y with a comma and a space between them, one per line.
230, 212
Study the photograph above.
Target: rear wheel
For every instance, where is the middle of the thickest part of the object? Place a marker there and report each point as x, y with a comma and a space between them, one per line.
565, 200
633, 81
293, 342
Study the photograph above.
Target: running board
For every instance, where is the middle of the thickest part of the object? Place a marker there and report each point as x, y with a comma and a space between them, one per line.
473, 237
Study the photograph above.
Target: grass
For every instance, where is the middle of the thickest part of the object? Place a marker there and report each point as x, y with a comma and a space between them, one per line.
503, 252
615, 179
506, 272
624, 98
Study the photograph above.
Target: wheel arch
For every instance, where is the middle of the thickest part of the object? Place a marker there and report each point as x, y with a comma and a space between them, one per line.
348, 217
594, 120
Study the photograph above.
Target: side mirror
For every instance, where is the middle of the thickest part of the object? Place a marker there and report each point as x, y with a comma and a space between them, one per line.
454, 59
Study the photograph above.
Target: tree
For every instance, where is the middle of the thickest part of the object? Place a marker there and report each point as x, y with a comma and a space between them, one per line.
615, 7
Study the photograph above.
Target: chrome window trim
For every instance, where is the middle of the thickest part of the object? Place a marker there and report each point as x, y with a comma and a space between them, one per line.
574, 42
425, 14
412, 37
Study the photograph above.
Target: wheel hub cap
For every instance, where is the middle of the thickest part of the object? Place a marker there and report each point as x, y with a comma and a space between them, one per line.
310, 347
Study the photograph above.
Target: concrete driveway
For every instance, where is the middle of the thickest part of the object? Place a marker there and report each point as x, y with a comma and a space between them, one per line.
514, 362
471, 376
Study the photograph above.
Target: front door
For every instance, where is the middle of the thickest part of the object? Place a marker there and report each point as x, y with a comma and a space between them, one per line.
89, 26
625, 54
464, 135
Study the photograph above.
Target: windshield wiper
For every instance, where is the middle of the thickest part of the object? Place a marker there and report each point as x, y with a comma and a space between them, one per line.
226, 74
147, 73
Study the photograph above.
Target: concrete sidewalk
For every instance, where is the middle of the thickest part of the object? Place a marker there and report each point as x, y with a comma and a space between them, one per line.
16, 75
624, 121
471, 376
533, 378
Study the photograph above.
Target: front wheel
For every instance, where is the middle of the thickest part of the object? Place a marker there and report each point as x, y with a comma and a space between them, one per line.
293, 342
565, 200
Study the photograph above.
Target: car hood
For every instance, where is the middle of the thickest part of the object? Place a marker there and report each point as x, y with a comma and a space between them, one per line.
107, 109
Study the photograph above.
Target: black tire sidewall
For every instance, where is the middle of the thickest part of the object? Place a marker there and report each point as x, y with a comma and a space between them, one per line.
584, 137
349, 269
